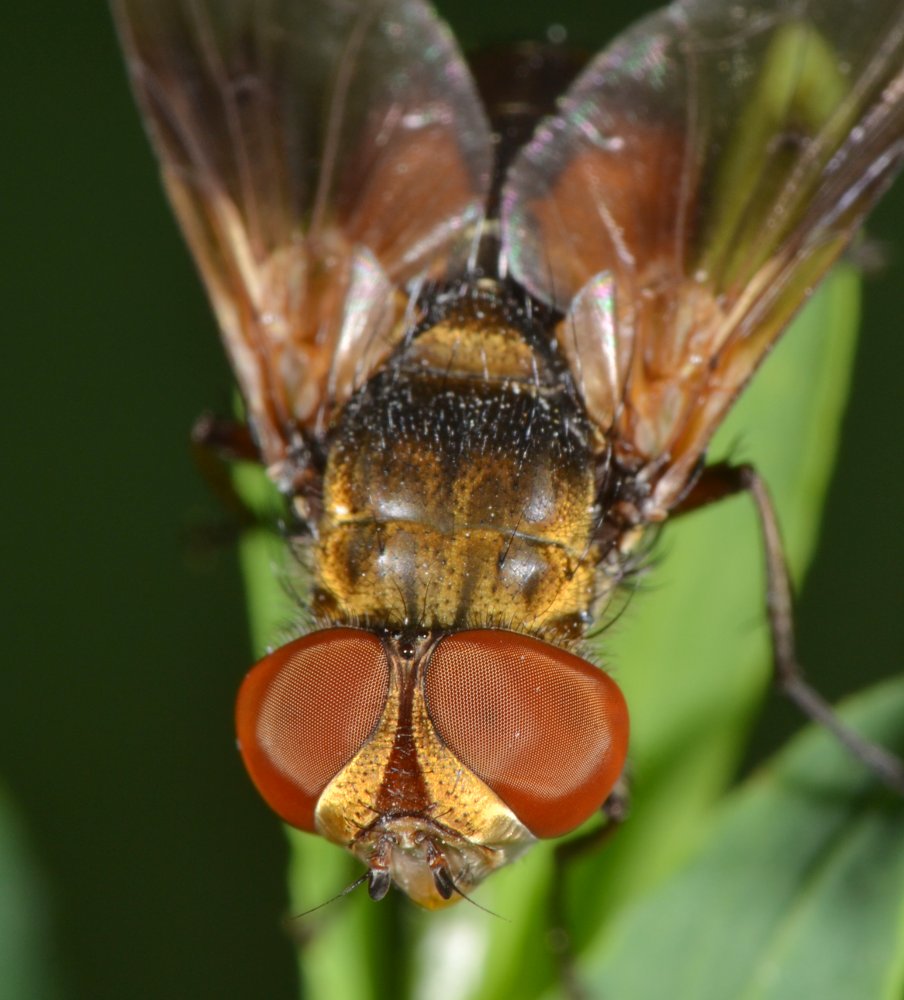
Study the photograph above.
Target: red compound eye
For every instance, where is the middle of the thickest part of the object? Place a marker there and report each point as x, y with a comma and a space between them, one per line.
547, 731
304, 711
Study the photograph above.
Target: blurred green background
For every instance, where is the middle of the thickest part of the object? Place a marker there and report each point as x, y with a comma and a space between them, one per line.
157, 871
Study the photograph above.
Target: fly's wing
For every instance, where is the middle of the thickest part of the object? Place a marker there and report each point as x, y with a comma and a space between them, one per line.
317, 153
700, 178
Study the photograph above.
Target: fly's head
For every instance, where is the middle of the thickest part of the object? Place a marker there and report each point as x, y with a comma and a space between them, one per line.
434, 761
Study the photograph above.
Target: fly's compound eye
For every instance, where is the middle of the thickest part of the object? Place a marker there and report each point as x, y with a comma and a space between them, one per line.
303, 713
544, 729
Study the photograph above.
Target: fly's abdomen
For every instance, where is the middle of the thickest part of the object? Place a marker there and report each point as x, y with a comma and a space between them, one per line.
458, 491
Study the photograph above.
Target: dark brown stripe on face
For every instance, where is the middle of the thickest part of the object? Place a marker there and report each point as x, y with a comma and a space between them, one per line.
402, 789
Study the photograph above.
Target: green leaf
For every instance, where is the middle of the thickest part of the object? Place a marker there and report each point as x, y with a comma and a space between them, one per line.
798, 890
25, 950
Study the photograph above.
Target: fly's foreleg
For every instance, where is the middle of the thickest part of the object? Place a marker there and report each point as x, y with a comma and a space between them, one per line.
722, 480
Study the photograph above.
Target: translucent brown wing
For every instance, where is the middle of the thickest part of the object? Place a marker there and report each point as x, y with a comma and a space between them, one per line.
317, 153
702, 175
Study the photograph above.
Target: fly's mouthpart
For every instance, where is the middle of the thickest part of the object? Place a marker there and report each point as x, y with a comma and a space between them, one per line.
429, 855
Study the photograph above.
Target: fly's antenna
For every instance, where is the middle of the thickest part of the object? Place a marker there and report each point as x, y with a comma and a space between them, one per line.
345, 892
474, 903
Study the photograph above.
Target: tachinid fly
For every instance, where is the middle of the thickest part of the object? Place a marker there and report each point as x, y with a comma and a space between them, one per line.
483, 343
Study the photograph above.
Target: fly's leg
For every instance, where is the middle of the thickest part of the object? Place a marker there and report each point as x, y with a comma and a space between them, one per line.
217, 442
228, 440
615, 811
722, 480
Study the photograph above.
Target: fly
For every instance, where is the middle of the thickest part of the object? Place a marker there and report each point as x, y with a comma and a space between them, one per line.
482, 351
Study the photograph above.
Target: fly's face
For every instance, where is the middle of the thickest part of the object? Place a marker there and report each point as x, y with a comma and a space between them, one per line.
481, 357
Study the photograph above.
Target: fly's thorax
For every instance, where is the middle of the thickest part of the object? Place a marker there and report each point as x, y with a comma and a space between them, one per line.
459, 488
